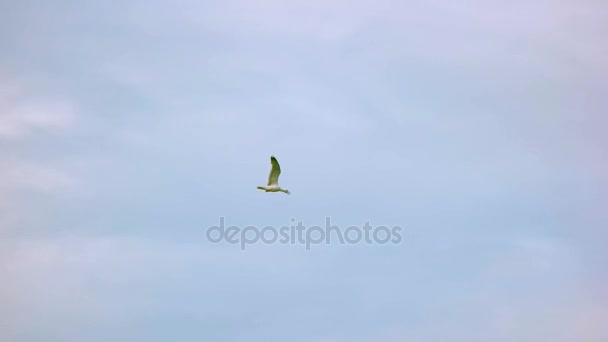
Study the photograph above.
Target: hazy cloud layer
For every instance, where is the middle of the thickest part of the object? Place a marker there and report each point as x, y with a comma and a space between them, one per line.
128, 129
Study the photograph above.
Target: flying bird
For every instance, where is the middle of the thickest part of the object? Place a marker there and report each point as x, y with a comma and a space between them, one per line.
273, 178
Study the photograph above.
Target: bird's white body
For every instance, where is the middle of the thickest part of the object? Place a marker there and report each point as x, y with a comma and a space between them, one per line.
273, 178
273, 189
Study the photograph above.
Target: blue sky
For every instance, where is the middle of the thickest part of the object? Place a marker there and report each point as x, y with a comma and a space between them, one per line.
478, 126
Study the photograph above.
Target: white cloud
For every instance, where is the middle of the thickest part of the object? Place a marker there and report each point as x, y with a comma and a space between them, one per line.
22, 113
20, 175
533, 291
51, 285
26, 110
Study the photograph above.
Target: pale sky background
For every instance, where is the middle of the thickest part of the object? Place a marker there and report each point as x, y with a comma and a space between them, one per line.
478, 126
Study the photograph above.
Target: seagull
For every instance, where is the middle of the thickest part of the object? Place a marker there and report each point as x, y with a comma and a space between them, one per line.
273, 178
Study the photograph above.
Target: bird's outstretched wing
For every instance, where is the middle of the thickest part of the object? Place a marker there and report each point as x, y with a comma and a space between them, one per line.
273, 178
